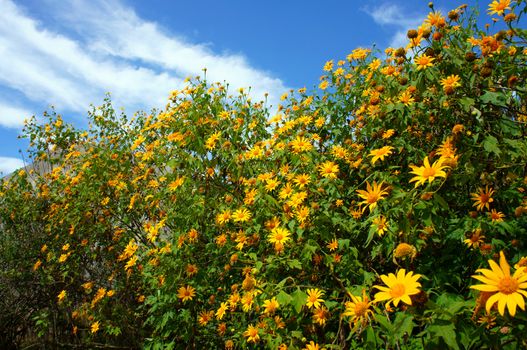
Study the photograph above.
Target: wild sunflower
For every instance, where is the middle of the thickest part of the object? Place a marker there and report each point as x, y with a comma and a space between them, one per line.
398, 287
358, 309
499, 6
314, 298
483, 198
450, 83
186, 293
270, 305
427, 171
423, 61
252, 334
279, 235
241, 215
372, 195
508, 290
328, 169
380, 153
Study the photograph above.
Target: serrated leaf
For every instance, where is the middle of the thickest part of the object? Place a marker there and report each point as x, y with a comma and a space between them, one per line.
490, 144
298, 300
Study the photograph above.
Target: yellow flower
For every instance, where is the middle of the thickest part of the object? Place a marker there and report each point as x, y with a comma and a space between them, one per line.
499, 6
450, 83
483, 198
427, 171
423, 61
241, 215
95, 327
387, 134
314, 298
507, 290
320, 315
398, 287
381, 225
252, 334
204, 317
406, 98
328, 169
403, 250
61, 296
496, 216
186, 293
279, 235
301, 180
372, 195
380, 153
270, 305
300, 144
333, 245
312, 346
221, 310
223, 217
358, 309
476, 238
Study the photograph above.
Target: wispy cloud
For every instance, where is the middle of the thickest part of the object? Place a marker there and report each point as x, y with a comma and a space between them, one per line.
12, 116
103, 46
8, 165
401, 19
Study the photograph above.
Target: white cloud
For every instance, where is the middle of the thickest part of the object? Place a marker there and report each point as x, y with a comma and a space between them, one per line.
13, 116
8, 164
395, 16
114, 51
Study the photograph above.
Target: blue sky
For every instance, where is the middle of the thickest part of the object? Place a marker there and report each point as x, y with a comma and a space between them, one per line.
70, 53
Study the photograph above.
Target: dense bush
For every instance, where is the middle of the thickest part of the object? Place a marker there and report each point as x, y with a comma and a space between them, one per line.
364, 215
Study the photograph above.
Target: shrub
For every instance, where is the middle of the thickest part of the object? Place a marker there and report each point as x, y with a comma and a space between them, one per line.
358, 216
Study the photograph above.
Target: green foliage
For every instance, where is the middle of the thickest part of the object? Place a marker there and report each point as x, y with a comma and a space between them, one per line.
211, 224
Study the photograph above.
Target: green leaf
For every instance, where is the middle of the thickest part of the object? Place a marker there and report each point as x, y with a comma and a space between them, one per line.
283, 298
299, 299
445, 330
491, 145
294, 264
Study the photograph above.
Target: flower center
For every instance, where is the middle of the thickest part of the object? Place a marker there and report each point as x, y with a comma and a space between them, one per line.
361, 309
508, 285
397, 290
372, 198
429, 172
483, 198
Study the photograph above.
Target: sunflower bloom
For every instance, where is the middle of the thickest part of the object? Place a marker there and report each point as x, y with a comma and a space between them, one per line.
424, 61
314, 298
483, 198
508, 290
372, 195
380, 153
428, 172
398, 288
358, 309
270, 305
186, 293
312, 346
279, 235
499, 6
241, 215
450, 83
328, 169
252, 334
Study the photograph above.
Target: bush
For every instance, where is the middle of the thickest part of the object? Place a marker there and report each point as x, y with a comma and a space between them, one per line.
363, 215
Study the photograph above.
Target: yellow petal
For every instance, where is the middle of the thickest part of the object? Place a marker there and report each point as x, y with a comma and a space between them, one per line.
504, 265
485, 280
502, 301
485, 288
491, 301
496, 269
511, 305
